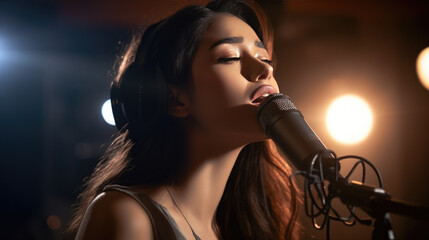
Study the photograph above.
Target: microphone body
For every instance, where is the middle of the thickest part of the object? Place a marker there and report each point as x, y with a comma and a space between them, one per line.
284, 124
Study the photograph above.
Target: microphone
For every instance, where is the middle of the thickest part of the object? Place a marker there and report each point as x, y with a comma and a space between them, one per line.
283, 123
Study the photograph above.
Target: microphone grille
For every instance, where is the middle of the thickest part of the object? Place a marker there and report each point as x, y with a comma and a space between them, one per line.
271, 106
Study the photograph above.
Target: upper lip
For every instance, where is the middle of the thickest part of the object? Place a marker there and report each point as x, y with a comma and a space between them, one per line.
264, 89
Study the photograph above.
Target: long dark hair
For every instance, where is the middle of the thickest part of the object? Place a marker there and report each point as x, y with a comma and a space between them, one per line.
259, 201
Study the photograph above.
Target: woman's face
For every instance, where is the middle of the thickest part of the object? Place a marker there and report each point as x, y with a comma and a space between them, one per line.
230, 69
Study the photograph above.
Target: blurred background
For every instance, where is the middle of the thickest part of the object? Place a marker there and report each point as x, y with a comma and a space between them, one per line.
56, 64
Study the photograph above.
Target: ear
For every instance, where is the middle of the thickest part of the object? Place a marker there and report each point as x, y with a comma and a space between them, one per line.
177, 102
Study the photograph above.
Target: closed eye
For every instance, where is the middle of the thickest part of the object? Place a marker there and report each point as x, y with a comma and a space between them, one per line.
267, 61
233, 59
228, 60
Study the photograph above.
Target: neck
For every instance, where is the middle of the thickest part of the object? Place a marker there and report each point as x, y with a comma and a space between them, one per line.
210, 161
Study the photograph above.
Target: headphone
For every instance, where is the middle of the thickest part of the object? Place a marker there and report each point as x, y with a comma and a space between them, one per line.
125, 97
139, 96
139, 99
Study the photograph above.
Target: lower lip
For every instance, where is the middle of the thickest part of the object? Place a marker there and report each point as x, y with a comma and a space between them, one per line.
256, 104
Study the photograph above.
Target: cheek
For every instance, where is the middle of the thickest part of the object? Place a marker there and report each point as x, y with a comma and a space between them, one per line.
217, 90
220, 86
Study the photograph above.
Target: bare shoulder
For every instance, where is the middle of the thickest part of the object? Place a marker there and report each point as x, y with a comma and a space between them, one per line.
115, 215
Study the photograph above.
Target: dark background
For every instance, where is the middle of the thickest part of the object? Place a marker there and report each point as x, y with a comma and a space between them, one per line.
56, 63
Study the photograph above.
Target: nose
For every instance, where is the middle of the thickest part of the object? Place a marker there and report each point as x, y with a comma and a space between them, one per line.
257, 70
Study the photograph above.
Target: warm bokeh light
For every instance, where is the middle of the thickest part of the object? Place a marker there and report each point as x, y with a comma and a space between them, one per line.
349, 119
423, 67
54, 222
106, 111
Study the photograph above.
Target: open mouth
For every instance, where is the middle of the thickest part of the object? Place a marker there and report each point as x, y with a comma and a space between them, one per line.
261, 93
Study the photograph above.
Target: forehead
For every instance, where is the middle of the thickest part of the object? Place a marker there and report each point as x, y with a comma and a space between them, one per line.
226, 25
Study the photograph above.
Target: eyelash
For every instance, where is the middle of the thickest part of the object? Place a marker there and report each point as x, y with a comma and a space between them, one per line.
267, 61
230, 60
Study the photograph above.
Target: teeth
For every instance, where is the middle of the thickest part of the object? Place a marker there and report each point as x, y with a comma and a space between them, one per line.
266, 95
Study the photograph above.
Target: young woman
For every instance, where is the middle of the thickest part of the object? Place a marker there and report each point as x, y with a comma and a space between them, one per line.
191, 160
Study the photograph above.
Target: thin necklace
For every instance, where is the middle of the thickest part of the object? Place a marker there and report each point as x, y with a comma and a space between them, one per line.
175, 204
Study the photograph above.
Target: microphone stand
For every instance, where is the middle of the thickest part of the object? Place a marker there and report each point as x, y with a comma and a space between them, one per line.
373, 200
377, 203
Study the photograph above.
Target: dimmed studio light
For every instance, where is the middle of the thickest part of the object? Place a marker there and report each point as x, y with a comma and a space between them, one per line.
349, 119
106, 111
54, 222
423, 67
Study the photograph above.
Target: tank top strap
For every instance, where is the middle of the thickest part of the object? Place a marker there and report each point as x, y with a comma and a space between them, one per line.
161, 226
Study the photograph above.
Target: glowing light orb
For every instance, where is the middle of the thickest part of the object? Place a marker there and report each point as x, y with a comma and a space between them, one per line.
423, 67
107, 113
349, 119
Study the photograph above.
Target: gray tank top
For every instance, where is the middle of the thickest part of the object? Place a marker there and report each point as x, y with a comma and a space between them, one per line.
163, 225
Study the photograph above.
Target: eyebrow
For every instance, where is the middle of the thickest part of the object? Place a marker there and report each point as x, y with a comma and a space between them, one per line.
260, 44
236, 40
